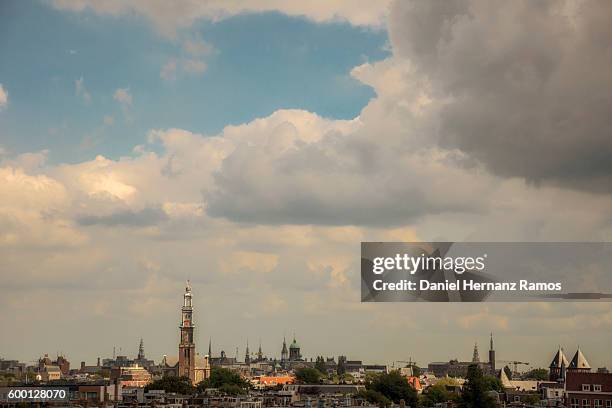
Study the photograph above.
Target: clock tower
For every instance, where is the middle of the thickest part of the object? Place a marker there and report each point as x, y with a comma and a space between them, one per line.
187, 345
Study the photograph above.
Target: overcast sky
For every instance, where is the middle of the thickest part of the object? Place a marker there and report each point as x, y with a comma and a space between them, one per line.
251, 147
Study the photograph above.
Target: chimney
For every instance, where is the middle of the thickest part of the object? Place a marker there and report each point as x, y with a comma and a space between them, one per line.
82, 365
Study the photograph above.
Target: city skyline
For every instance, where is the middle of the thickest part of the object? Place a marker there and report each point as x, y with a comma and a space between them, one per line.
251, 149
240, 355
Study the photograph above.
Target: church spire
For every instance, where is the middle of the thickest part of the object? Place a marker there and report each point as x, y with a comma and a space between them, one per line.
259, 352
475, 357
492, 356
141, 353
247, 356
209, 347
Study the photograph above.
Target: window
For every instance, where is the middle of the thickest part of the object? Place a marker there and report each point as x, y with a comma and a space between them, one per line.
597, 387
586, 387
609, 404
517, 398
585, 403
574, 403
597, 403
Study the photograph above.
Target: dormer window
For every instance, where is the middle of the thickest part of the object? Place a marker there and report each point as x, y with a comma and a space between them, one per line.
586, 387
597, 387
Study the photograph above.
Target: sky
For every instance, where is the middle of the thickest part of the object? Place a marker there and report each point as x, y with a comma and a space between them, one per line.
251, 146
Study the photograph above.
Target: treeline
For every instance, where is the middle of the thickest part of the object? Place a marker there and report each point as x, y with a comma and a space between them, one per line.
226, 381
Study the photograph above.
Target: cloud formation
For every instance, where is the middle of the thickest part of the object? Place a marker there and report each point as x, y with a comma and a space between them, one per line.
524, 88
168, 18
280, 204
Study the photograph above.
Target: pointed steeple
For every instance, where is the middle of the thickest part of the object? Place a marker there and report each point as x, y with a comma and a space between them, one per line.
491, 345
475, 357
559, 359
259, 352
284, 351
141, 353
209, 347
579, 362
247, 356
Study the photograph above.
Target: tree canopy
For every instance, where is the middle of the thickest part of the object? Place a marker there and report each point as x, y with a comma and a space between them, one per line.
540, 374
179, 385
435, 394
226, 381
476, 390
394, 387
308, 375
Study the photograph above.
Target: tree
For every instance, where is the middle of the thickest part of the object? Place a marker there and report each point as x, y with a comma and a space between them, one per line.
308, 375
531, 399
540, 374
393, 386
492, 383
475, 393
179, 385
374, 397
435, 394
226, 381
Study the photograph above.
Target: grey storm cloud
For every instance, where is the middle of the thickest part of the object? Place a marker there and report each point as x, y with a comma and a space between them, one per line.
527, 85
338, 180
142, 218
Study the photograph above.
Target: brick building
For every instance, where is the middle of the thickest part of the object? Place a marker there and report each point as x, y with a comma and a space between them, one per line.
588, 390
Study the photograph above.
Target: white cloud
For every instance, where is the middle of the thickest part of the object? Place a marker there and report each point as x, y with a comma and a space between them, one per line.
123, 96
81, 91
168, 18
3, 97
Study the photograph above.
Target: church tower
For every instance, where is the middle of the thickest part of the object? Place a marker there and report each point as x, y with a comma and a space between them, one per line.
558, 366
187, 345
294, 351
492, 356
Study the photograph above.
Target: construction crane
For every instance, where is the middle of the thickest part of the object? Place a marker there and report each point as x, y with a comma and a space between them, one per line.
515, 364
408, 363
